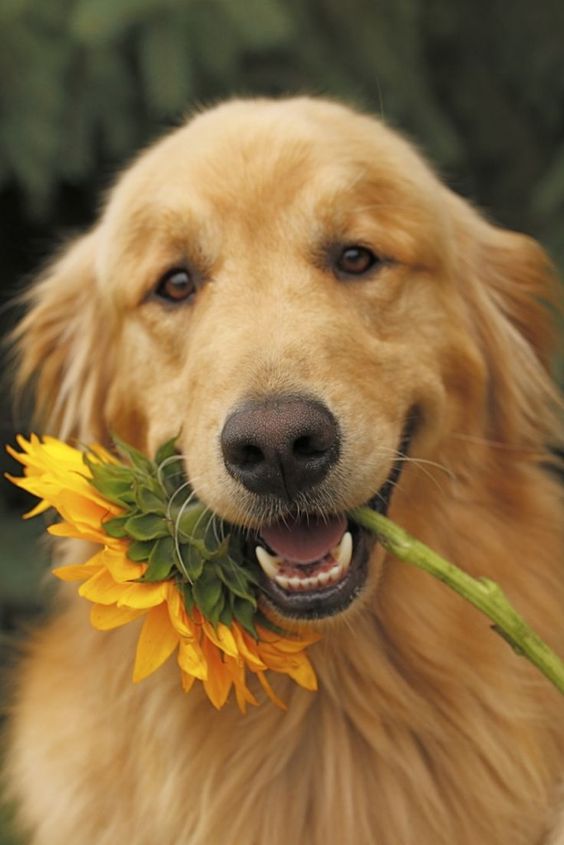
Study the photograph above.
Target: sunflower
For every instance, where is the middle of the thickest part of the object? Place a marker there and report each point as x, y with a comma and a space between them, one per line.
194, 600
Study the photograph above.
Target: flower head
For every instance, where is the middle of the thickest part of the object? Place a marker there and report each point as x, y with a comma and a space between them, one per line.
170, 563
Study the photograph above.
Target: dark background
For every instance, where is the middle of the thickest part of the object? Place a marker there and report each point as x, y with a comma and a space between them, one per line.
478, 85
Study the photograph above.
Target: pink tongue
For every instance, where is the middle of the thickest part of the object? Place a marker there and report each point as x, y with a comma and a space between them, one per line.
305, 540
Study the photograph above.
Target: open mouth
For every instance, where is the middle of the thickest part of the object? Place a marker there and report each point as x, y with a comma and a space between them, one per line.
314, 566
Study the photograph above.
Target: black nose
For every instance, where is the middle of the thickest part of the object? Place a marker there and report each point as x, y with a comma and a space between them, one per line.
281, 445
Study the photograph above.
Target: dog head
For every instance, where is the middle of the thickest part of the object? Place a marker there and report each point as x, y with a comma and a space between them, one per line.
288, 287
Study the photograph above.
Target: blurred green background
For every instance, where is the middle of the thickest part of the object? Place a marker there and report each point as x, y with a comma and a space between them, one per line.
478, 85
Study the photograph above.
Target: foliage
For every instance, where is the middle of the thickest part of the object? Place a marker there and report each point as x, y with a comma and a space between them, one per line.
83, 82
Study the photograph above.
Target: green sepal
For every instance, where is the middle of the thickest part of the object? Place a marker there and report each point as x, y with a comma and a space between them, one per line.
207, 591
113, 482
192, 561
161, 561
220, 551
133, 455
226, 615
189, 522
139, 550
115, 527
186, 591
214, 613
148, 499
245, 613
166, 451
236, 580
147, 526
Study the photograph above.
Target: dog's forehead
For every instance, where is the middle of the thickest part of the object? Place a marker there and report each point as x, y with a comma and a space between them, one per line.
270, 151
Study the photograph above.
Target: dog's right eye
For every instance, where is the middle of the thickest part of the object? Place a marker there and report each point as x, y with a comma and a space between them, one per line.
176, 286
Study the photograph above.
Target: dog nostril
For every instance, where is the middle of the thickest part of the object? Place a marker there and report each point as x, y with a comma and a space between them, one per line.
308, 447
251, 455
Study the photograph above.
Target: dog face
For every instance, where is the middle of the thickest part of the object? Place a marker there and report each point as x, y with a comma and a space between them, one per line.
288, 288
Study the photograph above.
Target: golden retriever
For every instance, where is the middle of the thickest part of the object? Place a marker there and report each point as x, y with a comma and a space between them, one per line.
289, 285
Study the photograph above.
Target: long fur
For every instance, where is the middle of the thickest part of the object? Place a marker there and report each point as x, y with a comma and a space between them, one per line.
426, 729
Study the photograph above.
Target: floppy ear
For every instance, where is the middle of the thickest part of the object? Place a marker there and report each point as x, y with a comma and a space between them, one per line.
510, 286
62, 345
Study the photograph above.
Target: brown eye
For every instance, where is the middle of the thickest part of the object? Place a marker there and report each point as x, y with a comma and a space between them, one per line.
176, 286
355, 261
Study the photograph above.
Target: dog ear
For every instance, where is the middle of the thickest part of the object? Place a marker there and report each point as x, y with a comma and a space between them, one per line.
511, 288
62, 345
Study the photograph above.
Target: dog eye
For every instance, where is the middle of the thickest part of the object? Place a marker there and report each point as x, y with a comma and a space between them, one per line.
355, 261
176, 286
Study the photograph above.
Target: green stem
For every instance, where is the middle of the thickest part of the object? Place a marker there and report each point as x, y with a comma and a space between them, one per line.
484, 594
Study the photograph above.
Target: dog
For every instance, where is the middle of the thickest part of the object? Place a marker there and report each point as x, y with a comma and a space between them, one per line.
289, 285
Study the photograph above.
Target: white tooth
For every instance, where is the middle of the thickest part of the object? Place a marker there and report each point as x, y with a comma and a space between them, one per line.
323, 579
294, 583
269, 562
344, 552
334, 574
282, 581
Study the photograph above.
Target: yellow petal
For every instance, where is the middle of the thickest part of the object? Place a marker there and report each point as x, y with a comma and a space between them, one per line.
65, 529
243, 694
106, 617
247, 648
289, 644
76, 572
187, 681
219, 682
297, 666
191, 660
270, 692
101, 588
142, 596
177, 611
118, 564
38, 509
221, 637
157, 641
302, 673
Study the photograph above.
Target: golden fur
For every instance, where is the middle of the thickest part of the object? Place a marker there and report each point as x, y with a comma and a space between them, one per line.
426, 729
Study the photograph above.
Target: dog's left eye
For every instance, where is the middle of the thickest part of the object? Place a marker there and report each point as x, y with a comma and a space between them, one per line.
355, 261
176, 286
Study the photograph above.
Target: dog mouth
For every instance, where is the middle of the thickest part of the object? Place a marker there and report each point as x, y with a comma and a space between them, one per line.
312, 567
